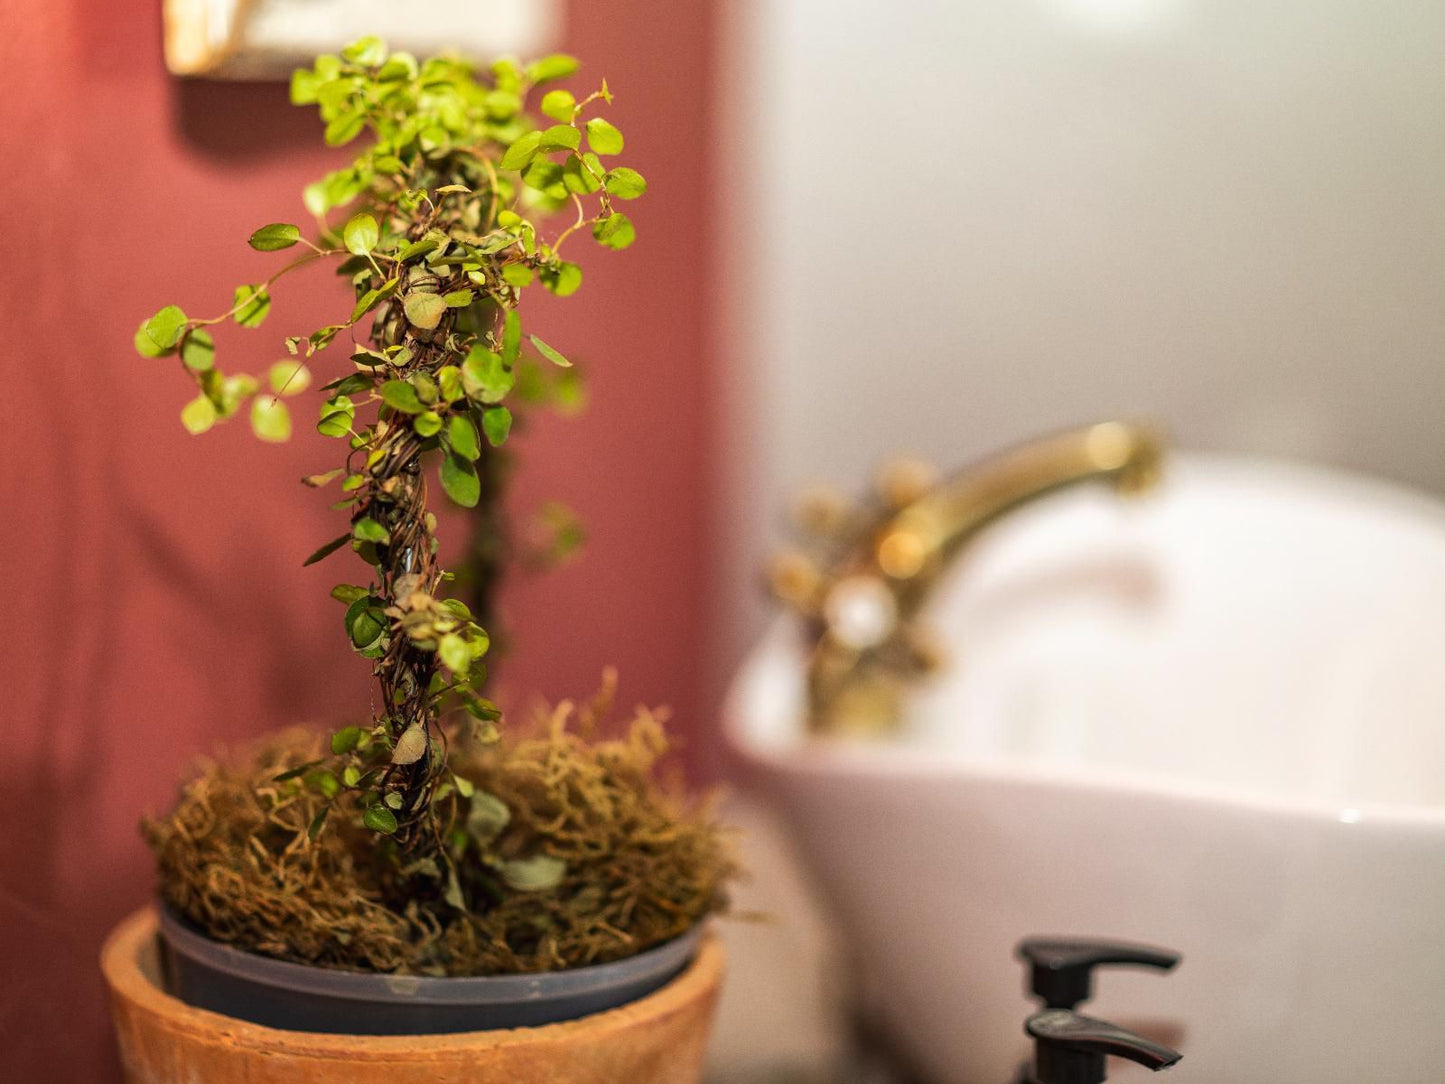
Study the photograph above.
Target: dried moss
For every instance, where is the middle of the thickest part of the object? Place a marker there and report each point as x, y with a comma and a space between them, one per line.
643, 864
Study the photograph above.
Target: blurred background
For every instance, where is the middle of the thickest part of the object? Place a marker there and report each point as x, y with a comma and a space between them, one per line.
933, 226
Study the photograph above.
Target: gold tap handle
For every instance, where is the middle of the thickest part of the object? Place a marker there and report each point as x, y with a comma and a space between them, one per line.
867, 649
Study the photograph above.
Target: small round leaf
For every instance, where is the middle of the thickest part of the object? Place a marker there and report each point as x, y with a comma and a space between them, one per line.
360, 234
624, 183
379, 819
198, 415
270, 420
603, 137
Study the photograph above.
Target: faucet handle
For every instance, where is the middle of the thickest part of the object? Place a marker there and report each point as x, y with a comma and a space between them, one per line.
1070, 1048
1061, 970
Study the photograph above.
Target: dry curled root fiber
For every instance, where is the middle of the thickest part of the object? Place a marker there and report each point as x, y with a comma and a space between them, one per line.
642, 863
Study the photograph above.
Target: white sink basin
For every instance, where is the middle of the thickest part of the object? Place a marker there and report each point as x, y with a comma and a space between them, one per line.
1211, 719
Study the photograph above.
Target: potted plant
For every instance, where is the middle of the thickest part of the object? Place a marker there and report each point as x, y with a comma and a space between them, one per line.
425, 894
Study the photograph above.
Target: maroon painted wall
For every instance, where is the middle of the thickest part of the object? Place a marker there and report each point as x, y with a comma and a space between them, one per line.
156, 605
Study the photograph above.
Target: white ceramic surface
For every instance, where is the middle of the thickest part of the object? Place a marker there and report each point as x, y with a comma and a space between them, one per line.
1213, 719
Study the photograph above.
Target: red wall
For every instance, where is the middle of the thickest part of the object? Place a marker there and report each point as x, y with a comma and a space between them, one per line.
156, 603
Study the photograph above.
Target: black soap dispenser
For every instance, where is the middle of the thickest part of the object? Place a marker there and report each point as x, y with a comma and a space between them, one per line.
1070, 1048
1061, 970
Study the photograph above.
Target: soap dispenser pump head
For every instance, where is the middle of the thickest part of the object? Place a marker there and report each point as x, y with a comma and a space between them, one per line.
1070, 1048
1061, 970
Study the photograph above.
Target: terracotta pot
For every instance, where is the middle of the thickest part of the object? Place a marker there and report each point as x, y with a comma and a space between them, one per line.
658, 1039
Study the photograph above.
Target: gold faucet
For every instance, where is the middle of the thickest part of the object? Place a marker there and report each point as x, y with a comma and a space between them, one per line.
862, 597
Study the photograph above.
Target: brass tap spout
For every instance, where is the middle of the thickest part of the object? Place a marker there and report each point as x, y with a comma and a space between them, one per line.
862, 608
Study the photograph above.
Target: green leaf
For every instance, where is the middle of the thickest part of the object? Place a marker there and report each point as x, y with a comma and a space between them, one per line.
518, 275
321, 337
559, 105
365, 622
496, 241
465, 787
344, 129
449, 382
411, 746
556, 66
615, 231
554, 356
367, 529
346, 739
427, 244
368, 51
289, 378
462, 436
488, 816
603, 137
624, 183
379, 819
582, 175
399, 66
485, 377
145, 346
198, 415
324, 781
453, 895
348, 592
561, 137
360, 234
198, 350
296, 772
364, 304
371, 359
479, 708
276, 236
234, 391
270, 420
511, 337
351, 775
535, 874
458, 299
455, 653
459, 479
336, 417
315, 199
399, 395
563, 278
502, 104
520, 154
251, 303
304, 83
427, 424
164, 329
424, 310
497, 421
317, 823
326, 550
394, 800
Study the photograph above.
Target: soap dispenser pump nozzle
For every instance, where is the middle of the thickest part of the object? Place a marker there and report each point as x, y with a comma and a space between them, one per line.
1061, 970
1070, 1048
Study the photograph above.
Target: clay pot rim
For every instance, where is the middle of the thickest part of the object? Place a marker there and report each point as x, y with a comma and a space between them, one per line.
135, 936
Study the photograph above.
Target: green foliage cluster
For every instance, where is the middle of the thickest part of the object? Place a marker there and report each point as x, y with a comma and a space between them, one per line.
437, 224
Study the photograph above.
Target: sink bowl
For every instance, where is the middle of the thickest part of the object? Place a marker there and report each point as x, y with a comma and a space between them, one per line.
1213, 719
